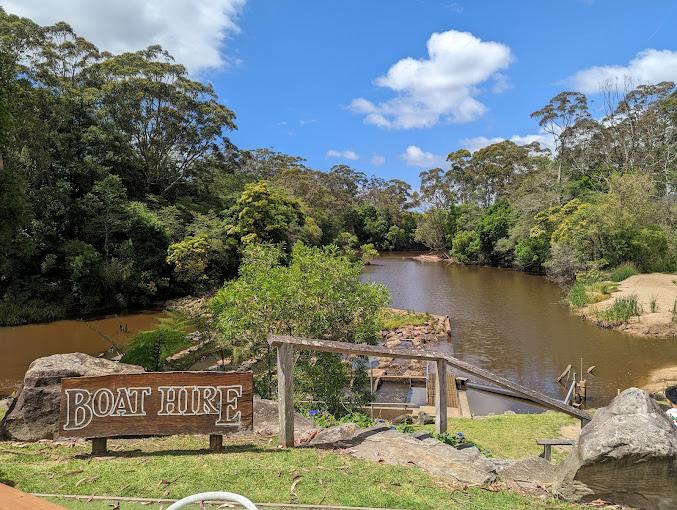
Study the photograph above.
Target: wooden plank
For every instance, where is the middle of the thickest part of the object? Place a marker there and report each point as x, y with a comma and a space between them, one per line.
156, 403
14, 499
564, 374
555, 441
99, 446
452, 400
402, 378
441, 397
285, 393
347, 348
215, 442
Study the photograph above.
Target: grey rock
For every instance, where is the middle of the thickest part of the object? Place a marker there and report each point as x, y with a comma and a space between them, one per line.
34, 413
345, 435
627, 454
266, 418
510, 413
500, 464
402, 418
424, 419
383, 444
528, 473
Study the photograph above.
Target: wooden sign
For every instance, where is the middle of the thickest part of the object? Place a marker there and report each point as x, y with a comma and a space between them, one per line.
156, 403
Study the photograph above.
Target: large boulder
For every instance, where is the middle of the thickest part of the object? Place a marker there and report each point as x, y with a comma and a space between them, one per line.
267, 421
34, 413
627, 454
383, 444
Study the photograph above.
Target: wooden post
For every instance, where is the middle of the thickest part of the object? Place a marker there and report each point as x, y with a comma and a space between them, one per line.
441, 397
99, 445
215, 442
285, 393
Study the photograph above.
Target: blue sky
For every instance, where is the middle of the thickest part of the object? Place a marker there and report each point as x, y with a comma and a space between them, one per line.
389, 87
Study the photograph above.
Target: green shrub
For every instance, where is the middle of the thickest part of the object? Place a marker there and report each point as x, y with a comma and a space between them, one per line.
622, 272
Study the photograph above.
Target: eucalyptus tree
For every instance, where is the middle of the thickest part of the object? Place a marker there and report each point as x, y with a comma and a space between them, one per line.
170, 124
558, 118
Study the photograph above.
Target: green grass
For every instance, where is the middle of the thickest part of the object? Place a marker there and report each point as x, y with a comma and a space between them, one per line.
583, 294
174, 467
393, 319
511, 436
620, 311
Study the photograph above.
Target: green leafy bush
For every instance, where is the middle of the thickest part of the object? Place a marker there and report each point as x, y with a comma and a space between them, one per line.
622, 272
317, 294
458, 439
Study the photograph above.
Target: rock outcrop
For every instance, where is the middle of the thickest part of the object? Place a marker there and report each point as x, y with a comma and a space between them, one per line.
383, 444
627, 454
267, 421
34, 413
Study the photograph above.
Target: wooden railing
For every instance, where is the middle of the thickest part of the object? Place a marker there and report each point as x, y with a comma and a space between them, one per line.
285, 385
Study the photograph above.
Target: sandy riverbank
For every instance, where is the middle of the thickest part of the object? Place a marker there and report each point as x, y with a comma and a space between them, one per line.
660, 287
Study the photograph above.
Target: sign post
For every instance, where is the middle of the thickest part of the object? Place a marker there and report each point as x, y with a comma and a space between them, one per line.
156, 403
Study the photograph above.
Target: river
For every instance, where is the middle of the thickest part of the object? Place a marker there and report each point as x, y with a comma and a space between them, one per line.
517, 325
510, 323
21, 345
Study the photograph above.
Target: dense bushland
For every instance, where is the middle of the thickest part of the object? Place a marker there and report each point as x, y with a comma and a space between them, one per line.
119, 185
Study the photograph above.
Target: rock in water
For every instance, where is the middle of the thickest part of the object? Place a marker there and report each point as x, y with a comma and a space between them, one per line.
34, 413
627, 454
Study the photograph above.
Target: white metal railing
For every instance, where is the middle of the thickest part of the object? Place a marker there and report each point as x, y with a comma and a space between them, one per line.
204, 496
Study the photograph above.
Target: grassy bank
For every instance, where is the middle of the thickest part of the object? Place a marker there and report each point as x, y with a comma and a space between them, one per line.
174, 467
393, 319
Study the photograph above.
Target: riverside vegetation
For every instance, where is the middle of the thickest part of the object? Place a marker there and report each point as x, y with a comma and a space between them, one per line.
119, 185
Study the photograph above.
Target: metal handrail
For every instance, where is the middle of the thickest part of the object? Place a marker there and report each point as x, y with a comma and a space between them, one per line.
203, 496
571, 390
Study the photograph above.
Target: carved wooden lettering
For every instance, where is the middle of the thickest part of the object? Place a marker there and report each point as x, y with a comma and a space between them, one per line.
160, 403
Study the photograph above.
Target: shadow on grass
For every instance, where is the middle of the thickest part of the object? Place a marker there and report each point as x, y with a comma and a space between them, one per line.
137, 452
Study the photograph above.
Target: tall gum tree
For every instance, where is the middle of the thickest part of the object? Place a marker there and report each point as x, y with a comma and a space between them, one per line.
173, 124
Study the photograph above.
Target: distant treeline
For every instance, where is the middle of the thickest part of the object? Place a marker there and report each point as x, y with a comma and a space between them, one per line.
119, 185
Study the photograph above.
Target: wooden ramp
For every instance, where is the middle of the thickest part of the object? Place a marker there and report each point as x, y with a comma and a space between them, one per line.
14, 499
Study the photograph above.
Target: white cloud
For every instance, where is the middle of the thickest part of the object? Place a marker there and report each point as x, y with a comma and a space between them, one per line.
342, 154
305, 122
649, 66
479, 142
377, 160
415, 156
440, 87
193, 32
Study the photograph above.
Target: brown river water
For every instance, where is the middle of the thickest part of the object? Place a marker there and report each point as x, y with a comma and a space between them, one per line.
20, 345
510, 323
517, 325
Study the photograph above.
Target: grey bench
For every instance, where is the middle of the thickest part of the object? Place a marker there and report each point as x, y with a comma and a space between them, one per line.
548, 444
